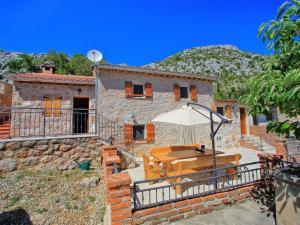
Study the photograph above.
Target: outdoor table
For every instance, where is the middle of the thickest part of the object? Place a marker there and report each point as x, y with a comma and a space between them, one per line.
167, 158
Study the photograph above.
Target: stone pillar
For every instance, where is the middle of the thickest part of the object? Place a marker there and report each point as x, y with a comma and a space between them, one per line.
120, 198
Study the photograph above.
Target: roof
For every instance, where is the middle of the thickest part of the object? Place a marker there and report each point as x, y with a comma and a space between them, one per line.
153, 72
54, 78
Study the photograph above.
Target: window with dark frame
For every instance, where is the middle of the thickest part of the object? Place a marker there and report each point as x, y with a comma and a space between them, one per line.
138, 90
138, 132
220, 110
184, 92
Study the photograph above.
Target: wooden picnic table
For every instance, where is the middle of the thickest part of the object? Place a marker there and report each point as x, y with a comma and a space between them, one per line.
185, 154
167, 157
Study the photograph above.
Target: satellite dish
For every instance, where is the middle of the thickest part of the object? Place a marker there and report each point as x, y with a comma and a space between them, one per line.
94, 55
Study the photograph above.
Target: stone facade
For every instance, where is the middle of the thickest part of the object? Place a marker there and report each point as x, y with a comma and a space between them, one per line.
6, 90
30, 122
114, 105
32, 94
48, 154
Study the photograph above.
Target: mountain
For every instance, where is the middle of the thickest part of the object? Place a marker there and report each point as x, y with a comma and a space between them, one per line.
6, 56
212, 60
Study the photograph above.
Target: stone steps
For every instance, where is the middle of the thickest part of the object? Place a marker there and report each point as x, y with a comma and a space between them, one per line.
259, 144
5, 129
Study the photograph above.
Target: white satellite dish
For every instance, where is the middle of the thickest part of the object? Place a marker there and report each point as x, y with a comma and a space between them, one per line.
94, 55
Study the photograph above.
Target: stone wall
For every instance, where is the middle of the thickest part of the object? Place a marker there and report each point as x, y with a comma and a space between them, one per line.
48, 154
32, 94
115, 106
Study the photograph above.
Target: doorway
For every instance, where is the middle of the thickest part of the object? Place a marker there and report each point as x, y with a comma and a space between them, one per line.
243, 121
80, 115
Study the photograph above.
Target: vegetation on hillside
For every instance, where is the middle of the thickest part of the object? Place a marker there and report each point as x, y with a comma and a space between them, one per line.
78, 64
279, 85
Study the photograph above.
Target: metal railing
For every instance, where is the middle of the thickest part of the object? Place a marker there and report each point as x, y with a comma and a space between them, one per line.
154, 192
39, 122
293, 150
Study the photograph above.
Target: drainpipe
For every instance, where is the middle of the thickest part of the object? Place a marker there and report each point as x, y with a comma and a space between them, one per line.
95, 74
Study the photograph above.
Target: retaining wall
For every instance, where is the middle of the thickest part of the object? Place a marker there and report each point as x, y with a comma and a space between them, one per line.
48, 153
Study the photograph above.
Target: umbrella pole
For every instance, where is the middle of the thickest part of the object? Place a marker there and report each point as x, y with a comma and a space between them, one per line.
212, 137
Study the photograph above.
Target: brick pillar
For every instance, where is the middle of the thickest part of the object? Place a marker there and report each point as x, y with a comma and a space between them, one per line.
280, 148
120, 199
109, 159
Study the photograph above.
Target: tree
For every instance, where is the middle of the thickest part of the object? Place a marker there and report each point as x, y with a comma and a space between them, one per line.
279, 85
60, 60
24, 63
229, 86
80, 65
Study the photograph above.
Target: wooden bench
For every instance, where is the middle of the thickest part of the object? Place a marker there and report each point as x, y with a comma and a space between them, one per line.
203, 163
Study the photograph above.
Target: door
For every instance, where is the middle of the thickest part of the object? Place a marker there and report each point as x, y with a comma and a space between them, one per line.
243, 121
80, 115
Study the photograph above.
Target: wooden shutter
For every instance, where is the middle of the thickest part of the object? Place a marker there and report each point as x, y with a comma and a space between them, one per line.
150, 133
47, 106
193, 92
177, 92
228, 111
128, 89
148, 92
128, 133
213, 107
57, 106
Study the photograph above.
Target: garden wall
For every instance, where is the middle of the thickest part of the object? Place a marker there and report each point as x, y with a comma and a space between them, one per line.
48, 153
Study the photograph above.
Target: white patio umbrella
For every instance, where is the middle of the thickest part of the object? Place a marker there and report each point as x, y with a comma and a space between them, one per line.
195, 114
188, 115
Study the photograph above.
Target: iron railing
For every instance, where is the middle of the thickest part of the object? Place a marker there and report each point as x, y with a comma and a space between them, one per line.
39, 122
154, 192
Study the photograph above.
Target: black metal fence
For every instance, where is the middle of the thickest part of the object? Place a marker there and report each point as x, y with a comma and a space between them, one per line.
154, 192
39, 122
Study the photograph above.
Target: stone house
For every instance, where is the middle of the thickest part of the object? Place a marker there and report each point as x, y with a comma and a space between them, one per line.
58, 97
134, 96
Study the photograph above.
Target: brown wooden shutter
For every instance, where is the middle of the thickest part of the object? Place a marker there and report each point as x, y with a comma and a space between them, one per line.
150, 133
193, 92
128, 89
228, 111
48, 106
148, 93
57, 106
177, 92
128, 133
213, 107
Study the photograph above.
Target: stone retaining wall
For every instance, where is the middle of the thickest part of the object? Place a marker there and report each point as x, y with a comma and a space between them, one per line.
48, 154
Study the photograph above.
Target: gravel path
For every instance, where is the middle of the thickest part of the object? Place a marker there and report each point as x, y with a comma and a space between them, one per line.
36, 197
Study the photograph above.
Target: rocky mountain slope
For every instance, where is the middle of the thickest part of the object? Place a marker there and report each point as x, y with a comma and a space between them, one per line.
212, 60
6, 56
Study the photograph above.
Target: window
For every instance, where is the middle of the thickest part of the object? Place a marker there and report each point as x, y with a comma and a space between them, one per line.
138, 90
138, 132
184, 92
220, 110
52, 105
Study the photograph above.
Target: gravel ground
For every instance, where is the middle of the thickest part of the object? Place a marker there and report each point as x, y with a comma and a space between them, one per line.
37, 197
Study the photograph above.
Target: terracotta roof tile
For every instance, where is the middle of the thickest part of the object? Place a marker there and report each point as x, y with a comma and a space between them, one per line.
54, 78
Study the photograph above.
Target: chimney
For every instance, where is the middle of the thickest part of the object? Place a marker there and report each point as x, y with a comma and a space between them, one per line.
48, 68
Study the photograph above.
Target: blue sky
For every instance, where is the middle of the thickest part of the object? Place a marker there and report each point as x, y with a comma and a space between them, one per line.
134, 32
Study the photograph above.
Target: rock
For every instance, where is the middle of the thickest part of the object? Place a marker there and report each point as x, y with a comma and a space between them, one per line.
58, 153
23, 153
43, 142
68, 141
56, 147
8, 154
8, 165
65, 147
89, 182
73, 165
30, 161
42, 147
28, 144
49, 151
2, 146
83, 145
91, 147
46, 159
34, 152
12, 145
60, 161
